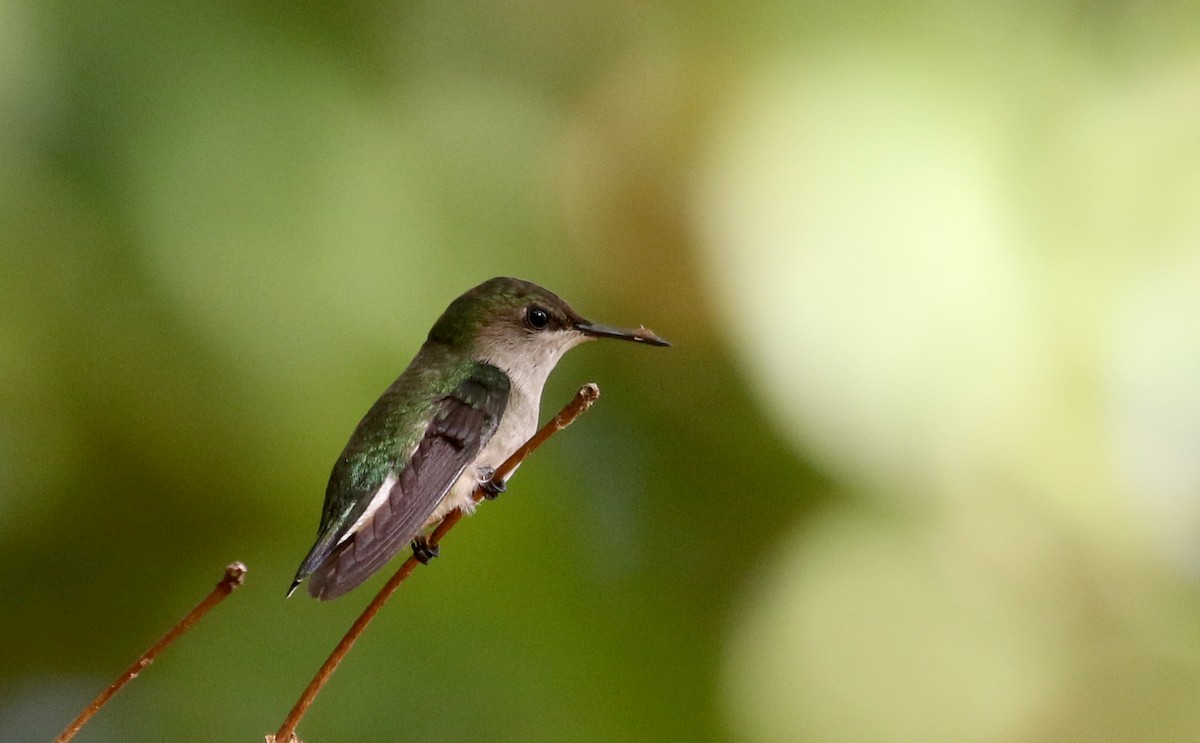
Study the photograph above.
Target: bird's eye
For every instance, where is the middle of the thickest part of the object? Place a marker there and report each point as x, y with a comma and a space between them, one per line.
537, 318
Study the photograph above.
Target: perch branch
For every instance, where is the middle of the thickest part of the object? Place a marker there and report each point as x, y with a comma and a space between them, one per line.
582, 401
235, 574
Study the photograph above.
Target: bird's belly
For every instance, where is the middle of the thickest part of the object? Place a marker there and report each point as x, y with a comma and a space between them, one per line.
514, 430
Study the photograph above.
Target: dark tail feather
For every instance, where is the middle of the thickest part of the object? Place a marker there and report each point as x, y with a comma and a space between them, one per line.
317, 555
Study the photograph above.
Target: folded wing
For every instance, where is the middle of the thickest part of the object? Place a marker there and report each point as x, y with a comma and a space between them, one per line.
462, 424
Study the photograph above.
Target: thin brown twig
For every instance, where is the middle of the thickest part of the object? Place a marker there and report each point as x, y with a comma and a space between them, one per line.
581, 402
235, 574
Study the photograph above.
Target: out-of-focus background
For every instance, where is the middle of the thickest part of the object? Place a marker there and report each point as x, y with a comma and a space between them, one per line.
923, 465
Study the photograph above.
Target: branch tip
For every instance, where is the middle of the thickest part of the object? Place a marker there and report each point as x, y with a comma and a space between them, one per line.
235, 574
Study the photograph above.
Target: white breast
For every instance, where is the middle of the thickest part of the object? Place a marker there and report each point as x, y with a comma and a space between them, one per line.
528, 362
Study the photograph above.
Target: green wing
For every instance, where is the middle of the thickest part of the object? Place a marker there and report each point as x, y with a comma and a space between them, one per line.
404, 473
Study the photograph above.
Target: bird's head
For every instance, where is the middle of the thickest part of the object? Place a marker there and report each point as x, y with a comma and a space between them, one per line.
515, 324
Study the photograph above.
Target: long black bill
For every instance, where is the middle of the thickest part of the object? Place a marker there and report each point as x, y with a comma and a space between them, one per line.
641, 335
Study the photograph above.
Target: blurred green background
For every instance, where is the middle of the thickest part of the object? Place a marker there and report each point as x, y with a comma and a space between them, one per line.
923, 465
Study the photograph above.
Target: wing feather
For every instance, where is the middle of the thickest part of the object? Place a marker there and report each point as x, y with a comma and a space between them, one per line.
461, 426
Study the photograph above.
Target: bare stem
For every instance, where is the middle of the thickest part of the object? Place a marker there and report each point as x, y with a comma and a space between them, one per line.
582, 401
235, 574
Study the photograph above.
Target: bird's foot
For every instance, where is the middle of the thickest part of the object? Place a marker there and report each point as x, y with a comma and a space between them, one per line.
423, 550
491, 488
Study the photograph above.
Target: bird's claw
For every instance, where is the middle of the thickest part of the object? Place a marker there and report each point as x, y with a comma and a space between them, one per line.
491, 488
423, 550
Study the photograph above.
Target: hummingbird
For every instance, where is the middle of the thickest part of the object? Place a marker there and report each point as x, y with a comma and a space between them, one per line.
466, 402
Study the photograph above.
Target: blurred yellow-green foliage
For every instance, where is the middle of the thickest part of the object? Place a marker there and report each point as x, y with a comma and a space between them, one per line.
924, 464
